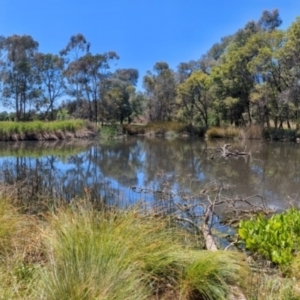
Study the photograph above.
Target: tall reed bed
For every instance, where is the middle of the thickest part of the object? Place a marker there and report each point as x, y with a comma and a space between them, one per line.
8, 129
223, 132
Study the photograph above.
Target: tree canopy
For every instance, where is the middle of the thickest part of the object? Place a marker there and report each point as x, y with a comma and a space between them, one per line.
250, 76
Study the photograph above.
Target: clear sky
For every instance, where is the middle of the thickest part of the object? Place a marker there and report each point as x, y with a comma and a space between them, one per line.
142, 32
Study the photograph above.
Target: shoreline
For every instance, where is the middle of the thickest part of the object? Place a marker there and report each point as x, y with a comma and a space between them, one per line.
49, 136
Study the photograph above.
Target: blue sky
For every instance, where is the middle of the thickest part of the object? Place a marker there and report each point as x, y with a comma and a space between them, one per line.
142, 32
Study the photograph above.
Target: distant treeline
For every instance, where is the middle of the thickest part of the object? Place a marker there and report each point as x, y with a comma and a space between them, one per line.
251, 76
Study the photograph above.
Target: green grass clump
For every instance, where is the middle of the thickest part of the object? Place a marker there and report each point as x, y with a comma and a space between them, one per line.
110, 131
97, 256
123, 255
77, 252
211, 274
23, 129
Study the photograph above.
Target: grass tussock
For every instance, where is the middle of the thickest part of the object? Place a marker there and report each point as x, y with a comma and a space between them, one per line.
212, 274
123, 255
224, 132
77, 252
262, 286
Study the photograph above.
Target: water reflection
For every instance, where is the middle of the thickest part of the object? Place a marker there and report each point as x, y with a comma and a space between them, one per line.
136, 169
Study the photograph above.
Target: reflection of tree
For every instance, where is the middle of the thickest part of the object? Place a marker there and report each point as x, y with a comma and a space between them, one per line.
105, 172
121, 161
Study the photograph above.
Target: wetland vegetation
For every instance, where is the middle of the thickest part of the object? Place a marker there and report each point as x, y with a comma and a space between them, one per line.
78, 217
161, 216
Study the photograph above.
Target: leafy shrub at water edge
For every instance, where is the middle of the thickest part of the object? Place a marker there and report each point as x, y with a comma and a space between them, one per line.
276, 238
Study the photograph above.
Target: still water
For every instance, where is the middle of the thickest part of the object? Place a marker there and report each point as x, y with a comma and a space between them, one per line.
140, 169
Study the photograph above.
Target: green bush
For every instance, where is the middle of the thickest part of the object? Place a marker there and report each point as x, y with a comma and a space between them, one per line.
278, 134
276, 238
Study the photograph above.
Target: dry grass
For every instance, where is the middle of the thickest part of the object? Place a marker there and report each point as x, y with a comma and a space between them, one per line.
164, 129
224, 132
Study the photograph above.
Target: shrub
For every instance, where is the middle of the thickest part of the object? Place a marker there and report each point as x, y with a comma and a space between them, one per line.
280, 134
276, 238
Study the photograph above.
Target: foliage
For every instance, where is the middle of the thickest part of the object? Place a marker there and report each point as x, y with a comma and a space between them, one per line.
194, 97
276, 238
160, 92
278, 134
249, 77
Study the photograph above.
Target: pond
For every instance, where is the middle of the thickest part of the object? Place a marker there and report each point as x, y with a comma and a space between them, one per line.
124, 171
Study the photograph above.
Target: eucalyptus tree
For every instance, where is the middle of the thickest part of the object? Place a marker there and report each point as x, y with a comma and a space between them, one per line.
232, 78
138, 104
271, 72
50, 68
269, 20
88, 73
77, 47
121, 93
18, 73
290, 56
194, 98
160, 88
185, 70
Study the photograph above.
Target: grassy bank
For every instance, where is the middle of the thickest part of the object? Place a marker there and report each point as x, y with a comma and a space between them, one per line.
80, 253
37, 130
175, 129
166, 129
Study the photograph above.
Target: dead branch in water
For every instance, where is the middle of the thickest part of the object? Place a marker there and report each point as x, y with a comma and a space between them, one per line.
225, 152
201, 211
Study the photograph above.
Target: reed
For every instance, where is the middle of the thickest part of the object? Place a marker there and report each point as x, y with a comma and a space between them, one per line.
224, 132
23, 130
